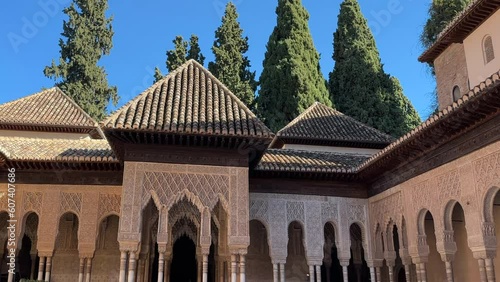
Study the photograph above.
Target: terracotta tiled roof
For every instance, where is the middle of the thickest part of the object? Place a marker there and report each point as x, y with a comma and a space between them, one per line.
55, 150
287, 160
190, 100
458, 109
322, 124
49, 108
461, 26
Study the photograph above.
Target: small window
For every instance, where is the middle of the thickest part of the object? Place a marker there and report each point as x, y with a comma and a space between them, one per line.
489, 53
456, 93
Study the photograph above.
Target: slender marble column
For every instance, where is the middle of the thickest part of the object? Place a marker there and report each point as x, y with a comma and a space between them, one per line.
131, 267
372, 274
161, 266
379, 274
449, 271
81, 269
48, 266
318, 273
10, 277
344, 273
205, 268
88, 270
490, 270
482, 270
408, 272
311, 273
423, 272
41, 266
391, 273
233, 269
275, 272
242, 268
282, 272
419, 274
123, 266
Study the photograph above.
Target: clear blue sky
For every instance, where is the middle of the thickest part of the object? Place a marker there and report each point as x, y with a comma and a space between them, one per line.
144, 30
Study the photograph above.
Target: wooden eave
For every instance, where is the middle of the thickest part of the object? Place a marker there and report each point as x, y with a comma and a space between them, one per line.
279, 142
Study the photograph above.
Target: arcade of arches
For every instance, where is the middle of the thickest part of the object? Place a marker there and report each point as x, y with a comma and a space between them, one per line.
439, 226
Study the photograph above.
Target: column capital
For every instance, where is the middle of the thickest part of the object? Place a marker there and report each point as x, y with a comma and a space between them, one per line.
130, 246
484, 254
419, 259
45, 253
344, 262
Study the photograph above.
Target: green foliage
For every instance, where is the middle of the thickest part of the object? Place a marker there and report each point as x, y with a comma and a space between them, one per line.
88, 36
194, 51
358, 84
231, 66
158, 75
180, 54
177, 56
441, 13
291, 79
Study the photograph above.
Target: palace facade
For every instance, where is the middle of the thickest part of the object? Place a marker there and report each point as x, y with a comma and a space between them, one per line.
184, 183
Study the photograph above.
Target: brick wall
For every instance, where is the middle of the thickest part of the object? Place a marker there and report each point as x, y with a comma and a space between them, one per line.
451, 70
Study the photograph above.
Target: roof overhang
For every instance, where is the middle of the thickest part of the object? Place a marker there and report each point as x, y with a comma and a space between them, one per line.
279, 142
461, 27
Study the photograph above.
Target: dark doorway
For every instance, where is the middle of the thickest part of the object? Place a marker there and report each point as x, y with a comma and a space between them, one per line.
183, 267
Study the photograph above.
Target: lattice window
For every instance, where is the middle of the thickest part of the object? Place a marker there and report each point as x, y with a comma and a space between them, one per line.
488, 51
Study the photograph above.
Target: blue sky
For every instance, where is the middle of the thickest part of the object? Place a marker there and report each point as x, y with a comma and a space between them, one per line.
144, 30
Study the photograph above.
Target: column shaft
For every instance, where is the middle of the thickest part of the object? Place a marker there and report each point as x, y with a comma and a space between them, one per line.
419, 273
391, 273
344, 273
318, 273
242, 268
81, 269
48, 266
233, 269
161, 261
88, 270
275, 272
123, 266
372, 274
379, 274
205, 268
490, 270
423, 272
41, 266
311, 273
408, 272
482, 270
131, 267
282, 272
449, 271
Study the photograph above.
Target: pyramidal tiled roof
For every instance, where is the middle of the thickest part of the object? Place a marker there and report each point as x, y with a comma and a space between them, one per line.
50, 108
324, 125
189, 100
51, 150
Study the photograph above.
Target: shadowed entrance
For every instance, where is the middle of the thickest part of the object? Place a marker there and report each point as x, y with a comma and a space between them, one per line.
183, 268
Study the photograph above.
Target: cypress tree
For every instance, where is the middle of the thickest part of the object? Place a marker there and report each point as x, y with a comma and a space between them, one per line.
177, 56
231, 66
358, 84
441, 13
291, 79
88, 36
158, 75
194, 51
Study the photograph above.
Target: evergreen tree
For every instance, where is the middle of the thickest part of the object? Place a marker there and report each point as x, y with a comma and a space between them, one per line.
231, 66
195, 50
177, 56
441, 13
88, 36
358, 83
291, 79
180, 54
158, 75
